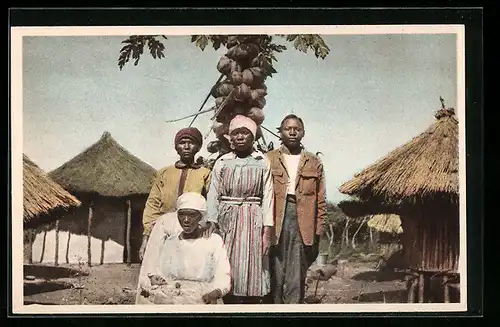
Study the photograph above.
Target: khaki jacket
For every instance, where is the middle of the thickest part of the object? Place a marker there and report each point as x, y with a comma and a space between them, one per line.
309, 191
163, 195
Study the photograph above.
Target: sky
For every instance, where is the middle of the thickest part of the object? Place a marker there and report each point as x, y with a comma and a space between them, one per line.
371, 94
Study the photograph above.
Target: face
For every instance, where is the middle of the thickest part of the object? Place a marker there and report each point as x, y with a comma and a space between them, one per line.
188, 219
242, 139
292, 132
187, 148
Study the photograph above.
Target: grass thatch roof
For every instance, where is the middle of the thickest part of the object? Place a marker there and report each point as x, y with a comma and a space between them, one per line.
386, 224
107, 169
427, 165
41, 195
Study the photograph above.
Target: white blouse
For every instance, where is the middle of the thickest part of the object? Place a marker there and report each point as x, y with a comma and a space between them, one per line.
197, 266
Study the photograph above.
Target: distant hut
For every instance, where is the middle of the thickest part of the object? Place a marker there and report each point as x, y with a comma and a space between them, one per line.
43, 200
113, 184
419, 182
386, 223
389, 230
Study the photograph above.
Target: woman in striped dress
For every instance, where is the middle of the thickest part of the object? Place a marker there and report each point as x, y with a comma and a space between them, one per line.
240, 202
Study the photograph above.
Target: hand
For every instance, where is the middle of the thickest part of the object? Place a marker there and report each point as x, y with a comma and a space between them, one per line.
142, 249
207, 229
266, 239
211, 297
157, 280
316, 246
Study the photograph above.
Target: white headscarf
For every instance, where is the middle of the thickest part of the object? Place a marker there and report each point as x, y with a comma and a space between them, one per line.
192, 200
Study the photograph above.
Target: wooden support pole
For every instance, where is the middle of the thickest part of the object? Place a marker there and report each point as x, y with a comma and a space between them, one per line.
67, 247
89, 236
421, 287
103, 245
56, 254
129, 227
31, 235
43, 243
412, 290
446, 289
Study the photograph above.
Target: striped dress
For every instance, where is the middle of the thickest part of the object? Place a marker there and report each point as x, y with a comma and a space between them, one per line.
240, 200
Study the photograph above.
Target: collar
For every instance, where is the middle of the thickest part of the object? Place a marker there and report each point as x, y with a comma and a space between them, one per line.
302, 162
181, 165
255, 154
284, 150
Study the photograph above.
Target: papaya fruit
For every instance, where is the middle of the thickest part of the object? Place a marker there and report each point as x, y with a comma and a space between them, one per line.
224, 65
247, 77
257, 115
236, 78
224, 89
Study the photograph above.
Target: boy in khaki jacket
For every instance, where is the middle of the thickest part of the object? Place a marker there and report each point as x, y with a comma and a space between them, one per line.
299, 212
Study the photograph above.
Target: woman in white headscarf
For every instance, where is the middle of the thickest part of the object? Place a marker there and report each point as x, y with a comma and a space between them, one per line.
180, 265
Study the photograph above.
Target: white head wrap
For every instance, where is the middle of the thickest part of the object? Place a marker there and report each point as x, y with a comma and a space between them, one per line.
243, 121
192, 200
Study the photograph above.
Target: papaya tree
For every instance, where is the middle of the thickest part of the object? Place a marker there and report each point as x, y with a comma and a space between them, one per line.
240, 89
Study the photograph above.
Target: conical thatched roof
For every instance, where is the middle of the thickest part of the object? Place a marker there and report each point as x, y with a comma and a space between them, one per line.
41, 195
107, 169
386, 223
427, 165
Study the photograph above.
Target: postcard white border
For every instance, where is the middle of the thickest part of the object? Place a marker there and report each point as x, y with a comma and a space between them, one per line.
17, 33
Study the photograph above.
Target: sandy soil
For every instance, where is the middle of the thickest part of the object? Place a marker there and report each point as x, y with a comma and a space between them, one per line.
104, 284
116, 283
359, 283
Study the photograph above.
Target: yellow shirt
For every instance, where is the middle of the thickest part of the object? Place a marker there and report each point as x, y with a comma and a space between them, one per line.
163, 195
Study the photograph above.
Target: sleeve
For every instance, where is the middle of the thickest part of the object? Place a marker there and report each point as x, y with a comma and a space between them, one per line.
222, 276
149, 263
206, 183
321, 201
213, 194
153, 204
268, 197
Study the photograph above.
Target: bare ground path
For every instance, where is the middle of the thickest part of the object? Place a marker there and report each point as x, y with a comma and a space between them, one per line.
116, 283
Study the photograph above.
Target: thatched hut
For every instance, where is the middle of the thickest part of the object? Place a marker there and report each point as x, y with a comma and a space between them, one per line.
43, 199
386, 223
389, 230
42, 196
113, 184
419, 182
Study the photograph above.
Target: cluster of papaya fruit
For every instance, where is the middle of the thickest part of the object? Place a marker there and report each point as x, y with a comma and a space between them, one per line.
242, 90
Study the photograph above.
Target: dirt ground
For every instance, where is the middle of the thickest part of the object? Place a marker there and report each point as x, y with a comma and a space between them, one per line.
116, 283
